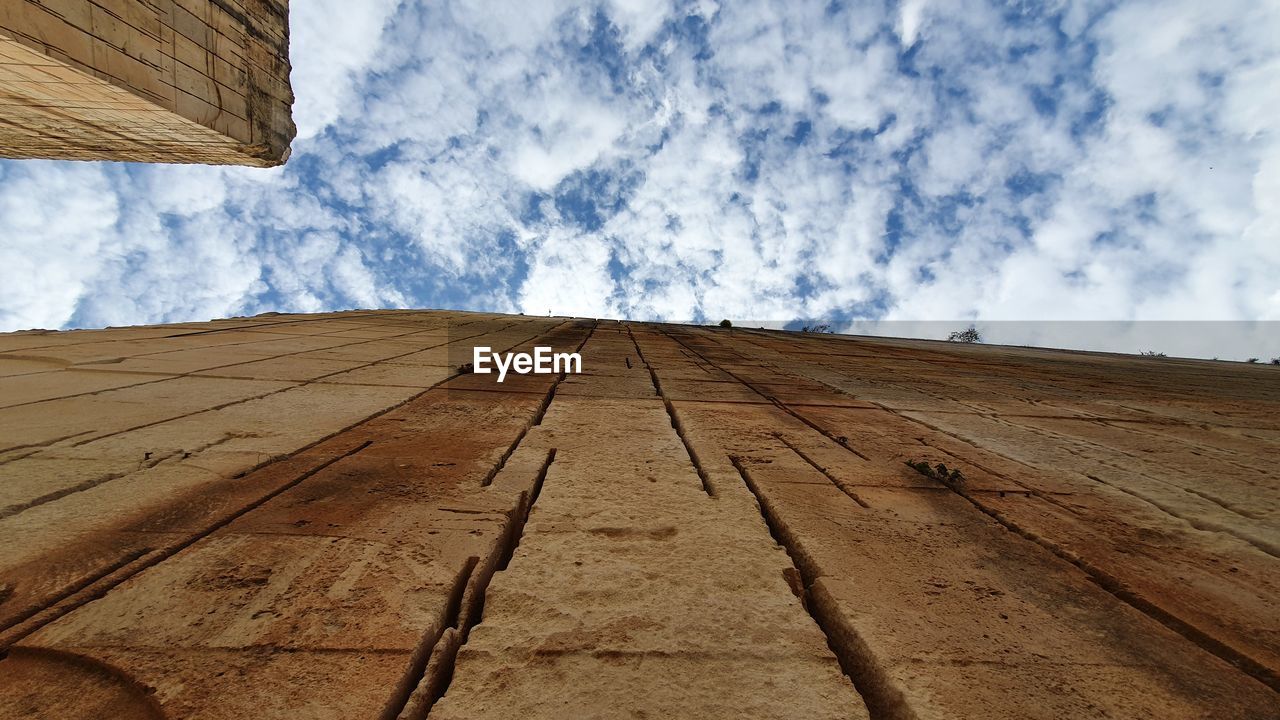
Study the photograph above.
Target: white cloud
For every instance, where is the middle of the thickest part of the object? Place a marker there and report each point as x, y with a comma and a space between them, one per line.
569, 133
639, 19
54, 216
332, 43
910, 18
569, 277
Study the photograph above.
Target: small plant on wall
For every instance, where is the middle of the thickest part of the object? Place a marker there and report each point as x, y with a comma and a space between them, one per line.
970, 335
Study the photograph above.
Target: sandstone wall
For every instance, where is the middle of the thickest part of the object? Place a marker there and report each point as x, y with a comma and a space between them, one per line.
188, 81
328, 516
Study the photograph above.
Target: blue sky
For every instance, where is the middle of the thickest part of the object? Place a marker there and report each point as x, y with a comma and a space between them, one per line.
763, 161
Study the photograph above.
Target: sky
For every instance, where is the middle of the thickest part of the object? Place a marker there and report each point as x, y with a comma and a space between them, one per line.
845, 162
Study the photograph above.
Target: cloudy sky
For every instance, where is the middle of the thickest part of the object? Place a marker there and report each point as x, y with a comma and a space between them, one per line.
781, 161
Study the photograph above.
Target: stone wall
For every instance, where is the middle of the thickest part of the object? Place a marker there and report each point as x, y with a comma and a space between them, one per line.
332, 516
187, 81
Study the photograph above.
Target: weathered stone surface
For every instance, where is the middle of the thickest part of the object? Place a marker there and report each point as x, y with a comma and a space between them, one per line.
177, 81
663, 600
323, 516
